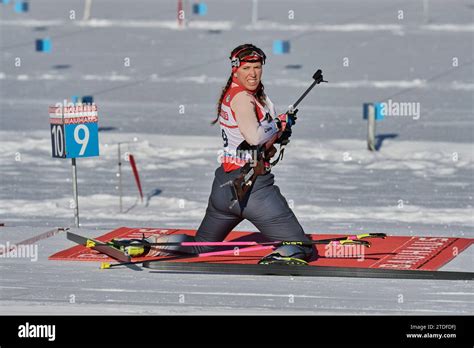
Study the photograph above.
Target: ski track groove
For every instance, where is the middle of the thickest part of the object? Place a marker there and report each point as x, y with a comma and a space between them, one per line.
304, 308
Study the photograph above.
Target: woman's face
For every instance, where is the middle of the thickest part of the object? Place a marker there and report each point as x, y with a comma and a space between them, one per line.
249, 75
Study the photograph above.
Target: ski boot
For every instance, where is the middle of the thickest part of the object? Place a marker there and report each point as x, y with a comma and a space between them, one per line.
289, 254
132, 247
277, 259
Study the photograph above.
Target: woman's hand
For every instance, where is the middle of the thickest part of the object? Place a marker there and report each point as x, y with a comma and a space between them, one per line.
285, 121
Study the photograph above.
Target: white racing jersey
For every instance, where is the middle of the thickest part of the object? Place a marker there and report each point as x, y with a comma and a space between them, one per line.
234, 157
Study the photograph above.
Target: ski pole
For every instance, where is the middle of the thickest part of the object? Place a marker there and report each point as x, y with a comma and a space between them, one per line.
318, 78
250, 243
346, 240
105, 265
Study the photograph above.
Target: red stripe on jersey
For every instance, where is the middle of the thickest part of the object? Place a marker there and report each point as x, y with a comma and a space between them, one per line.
230, 95
237, 89
230, 163
232, 92
228, 167
227, 126
260, 114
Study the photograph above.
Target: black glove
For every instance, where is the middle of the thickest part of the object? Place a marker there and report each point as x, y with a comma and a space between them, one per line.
292, 116
284, 139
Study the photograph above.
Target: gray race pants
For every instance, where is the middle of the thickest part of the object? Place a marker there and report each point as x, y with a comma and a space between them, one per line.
265, 207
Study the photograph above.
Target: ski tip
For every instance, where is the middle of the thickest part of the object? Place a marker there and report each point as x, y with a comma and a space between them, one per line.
370, 235
378, 235
104, 265
90, 243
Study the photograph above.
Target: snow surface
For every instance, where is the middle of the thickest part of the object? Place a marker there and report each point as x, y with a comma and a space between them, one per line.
420, 182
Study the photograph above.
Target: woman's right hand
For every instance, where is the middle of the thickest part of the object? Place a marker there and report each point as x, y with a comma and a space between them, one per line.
285, 121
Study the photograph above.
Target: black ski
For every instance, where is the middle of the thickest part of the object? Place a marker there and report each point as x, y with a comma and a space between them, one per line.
306, 271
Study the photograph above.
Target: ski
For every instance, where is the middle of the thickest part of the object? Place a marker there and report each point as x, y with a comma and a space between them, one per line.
306, 271
102, 247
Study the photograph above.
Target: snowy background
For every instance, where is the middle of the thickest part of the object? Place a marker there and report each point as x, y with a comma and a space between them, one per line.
420, 182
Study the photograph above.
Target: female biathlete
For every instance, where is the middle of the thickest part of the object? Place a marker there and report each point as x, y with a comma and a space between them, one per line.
247, 119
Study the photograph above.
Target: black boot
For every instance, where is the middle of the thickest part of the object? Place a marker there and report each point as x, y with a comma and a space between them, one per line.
294, 255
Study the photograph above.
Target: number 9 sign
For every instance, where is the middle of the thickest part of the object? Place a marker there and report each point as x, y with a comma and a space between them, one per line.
82, 140
74, 131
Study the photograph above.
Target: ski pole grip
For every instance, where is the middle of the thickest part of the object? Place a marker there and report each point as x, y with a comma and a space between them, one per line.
318, 76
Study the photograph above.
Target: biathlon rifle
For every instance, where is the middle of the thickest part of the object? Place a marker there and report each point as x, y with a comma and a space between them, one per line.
265, 152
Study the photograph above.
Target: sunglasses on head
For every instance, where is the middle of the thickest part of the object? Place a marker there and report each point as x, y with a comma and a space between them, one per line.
247, 55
